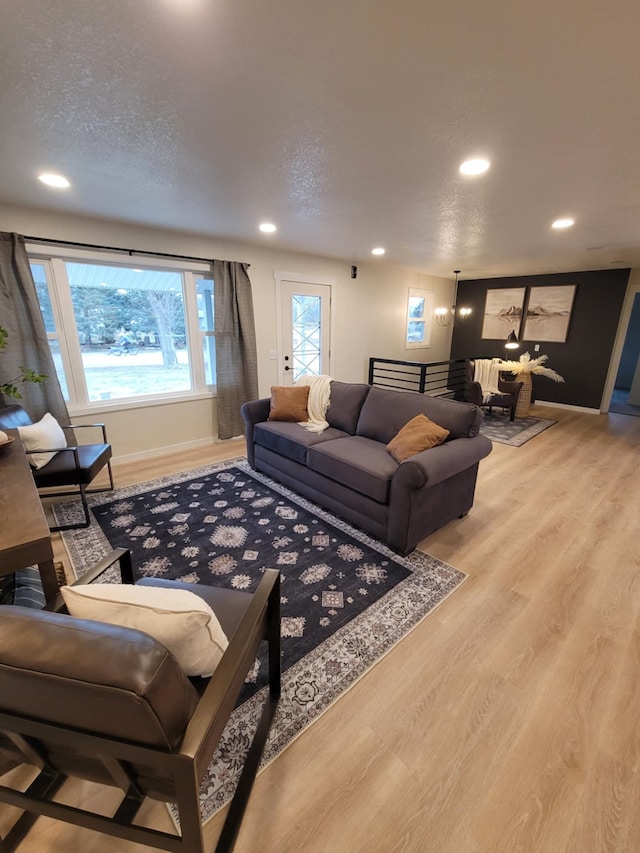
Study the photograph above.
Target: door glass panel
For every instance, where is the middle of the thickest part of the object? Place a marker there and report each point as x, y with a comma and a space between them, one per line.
306, 332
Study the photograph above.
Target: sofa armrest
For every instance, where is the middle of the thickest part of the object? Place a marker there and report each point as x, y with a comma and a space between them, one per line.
254, 412
439, 463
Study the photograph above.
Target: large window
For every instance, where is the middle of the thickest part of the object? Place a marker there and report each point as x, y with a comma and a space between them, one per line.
122, 332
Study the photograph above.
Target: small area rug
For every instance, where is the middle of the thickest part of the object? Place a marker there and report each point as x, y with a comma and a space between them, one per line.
347, 600
498, 427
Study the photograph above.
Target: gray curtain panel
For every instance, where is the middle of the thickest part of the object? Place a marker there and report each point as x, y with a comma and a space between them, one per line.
236, 358
27, 344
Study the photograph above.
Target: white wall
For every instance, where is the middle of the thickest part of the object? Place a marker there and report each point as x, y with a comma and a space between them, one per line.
369, 315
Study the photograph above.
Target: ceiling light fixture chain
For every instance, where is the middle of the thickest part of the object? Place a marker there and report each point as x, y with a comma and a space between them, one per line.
447, 316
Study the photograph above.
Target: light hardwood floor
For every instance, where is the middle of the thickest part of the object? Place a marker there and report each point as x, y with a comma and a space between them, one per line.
509, 719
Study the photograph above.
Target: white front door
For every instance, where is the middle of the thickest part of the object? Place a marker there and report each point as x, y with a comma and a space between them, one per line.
305, 329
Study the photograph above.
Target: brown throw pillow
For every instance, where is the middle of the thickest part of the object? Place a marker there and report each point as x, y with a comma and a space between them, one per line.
289, 403
418, 434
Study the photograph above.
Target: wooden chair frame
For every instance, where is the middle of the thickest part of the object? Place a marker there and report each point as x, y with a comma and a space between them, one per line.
186, 765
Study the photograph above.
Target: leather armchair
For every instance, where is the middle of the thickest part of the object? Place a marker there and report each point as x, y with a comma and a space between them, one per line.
506, 399
86, 699
73, 467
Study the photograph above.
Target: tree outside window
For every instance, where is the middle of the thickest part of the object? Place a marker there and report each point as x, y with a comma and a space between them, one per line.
118, 332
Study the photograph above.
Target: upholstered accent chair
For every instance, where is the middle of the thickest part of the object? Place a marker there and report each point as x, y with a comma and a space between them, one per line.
87, 699
72, 468
507, 398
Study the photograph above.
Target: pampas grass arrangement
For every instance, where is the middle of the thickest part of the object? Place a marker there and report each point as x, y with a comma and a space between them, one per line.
526, 364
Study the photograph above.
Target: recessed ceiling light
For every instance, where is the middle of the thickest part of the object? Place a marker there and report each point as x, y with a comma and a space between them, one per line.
268, 227
474, 167
54, 181
378, 251
563, 223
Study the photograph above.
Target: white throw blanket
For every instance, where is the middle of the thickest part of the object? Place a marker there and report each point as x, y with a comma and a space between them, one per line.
487, 373
319, 399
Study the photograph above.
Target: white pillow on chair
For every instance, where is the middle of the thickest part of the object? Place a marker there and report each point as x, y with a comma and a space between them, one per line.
179, 619
43, 435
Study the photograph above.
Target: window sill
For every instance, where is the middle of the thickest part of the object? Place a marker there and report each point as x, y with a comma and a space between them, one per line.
105, 406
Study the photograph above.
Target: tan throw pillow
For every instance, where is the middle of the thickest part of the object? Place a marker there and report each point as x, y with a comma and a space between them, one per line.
289, 403
415, 436
179, 619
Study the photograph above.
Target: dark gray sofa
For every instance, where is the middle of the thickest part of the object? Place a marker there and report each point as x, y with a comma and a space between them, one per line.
347, 469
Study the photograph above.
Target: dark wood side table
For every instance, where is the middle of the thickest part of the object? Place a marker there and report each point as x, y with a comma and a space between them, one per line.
25, 538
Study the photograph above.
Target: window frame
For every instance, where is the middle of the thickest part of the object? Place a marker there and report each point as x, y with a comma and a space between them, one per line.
427, 317
202, 334
54, 258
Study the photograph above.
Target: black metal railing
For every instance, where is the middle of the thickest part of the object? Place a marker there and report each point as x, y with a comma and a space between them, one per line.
437, 378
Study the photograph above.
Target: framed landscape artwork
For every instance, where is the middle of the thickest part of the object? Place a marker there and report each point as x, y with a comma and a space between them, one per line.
502, 312
548, 313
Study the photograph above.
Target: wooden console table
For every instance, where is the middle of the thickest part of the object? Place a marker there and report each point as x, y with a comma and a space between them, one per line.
25, 538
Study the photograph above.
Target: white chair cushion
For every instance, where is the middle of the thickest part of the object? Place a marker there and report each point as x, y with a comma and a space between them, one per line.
46, 434
177, 618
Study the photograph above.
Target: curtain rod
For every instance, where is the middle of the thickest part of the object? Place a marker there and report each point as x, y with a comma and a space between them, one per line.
129, 252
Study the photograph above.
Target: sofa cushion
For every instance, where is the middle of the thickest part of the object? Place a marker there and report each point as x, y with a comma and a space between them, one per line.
417, 435
292, 440
345, 405
289, 403
359, 463
385, 412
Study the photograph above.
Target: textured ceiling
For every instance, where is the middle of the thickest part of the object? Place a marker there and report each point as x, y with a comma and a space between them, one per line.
343, 122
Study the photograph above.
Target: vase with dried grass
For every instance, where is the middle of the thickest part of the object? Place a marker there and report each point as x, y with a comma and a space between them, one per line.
523, 368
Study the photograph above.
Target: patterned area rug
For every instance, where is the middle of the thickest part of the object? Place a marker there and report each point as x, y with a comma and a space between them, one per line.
346, 598
499, 428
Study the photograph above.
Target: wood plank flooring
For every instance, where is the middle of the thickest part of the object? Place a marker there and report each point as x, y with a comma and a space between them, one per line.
509, 719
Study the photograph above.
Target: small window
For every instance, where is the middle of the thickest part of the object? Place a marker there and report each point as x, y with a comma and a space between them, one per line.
206, 325
419, 314
41, 278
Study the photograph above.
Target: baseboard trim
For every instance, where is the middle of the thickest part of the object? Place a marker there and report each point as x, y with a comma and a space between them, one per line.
567, 406
164, 451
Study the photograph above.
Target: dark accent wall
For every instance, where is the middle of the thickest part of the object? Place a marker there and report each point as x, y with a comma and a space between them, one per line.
583, 360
